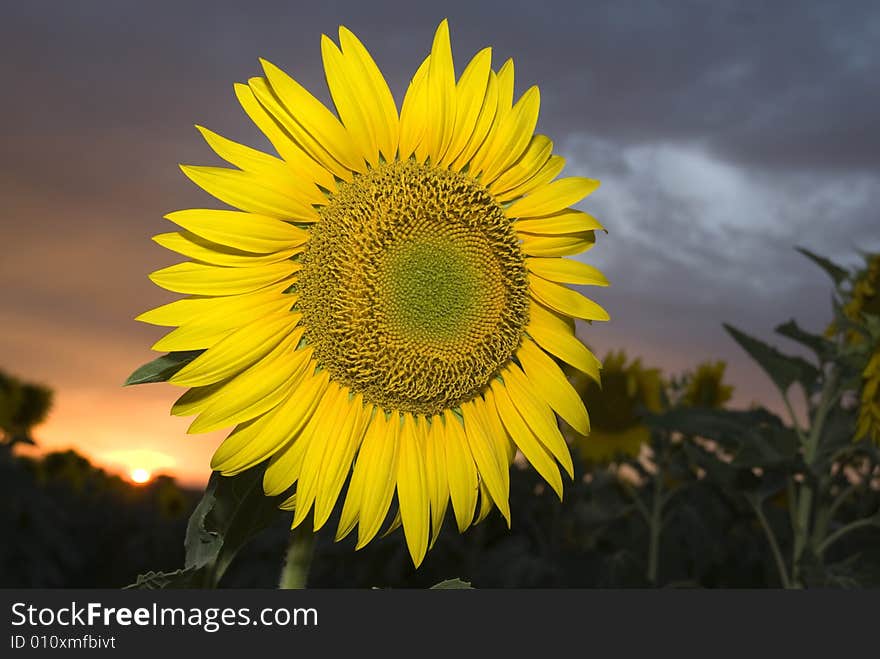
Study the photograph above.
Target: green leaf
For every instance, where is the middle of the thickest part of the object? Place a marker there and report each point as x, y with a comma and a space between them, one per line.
834, 271
162, 368
186, 578
232, 511
452, 584
757, 437
838, 432
815, 342
783, 369
776, 447
716, 470
730, 428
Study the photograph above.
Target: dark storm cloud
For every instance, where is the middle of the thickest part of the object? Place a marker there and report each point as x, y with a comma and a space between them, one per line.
785, 83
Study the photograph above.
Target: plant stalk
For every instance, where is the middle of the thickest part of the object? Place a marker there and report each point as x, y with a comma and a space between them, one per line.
774, 545
297, 559
655, 525
804, 508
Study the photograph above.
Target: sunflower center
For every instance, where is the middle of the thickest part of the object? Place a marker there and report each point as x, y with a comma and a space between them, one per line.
413, 288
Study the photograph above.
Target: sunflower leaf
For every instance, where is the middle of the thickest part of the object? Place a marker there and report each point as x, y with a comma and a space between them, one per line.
783, 369
232, 511
452, 584
731, 428
833, 270
815, 342
162, 368
185, 578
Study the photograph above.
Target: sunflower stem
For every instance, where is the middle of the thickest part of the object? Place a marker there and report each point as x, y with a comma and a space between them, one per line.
656, 523
774, 544
804, 507
297, 560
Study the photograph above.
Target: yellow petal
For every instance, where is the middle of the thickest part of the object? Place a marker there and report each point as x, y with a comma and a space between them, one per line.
200, 398
503, 443
328, 422
254, 441
245, 231
302, 163
567, 271
194, 247
339, 457
485, 504
375, 95
314, 118
377, 467
269, 101
485, 121
414, 111
250, 193
505, 87
204, 279
207, 325
193, 337
395, 524
565, 300
556, 337
551, 382
491, 464
567, 221
352, 505
227, 310
440, 95
481, 157
537, 414
192, 400
260, 388
347, 90
561, 245
348, 519
462, 473
435, 471
513, 135
412, 491
549, 170
236, 351
470, 93
553, 197
266, 167
537, 455
536, 155
286, 465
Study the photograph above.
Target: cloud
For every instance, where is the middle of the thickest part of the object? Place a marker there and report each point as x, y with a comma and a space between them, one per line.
695, 241
724, 135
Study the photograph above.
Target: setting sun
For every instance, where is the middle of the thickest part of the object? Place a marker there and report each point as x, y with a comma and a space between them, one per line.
140, 465
140, 475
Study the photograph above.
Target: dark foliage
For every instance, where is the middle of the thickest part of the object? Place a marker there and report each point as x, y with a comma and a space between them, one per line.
69, 524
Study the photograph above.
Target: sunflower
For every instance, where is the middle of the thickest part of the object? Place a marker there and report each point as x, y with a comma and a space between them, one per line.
868, 424
615, 408
705, 388
864, 299
388, 301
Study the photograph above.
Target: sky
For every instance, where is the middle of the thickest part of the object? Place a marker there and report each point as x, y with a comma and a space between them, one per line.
724, 134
